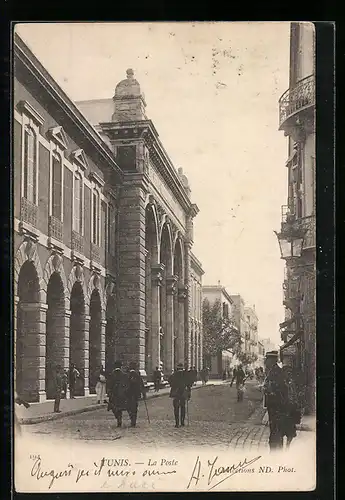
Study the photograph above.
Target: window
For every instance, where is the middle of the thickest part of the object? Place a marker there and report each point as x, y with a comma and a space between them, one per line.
78, 204
30, 165
95, 217
110, 229
57, 186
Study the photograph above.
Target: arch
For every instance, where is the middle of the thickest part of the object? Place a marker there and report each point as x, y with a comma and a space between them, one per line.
110, 332
95, 284
55, 265
76, 276
95, 339
77, 334
179, 264
27, 349
27, 251
55, 330
165, 248
152, 238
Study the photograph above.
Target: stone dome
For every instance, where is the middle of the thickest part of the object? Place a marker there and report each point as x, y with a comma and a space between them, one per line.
128, 87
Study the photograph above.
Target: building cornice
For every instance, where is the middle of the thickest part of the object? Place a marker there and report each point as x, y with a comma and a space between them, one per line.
197, 264
159, 156
30, 61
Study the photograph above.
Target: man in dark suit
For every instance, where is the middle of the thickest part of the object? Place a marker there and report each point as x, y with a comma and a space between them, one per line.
118, 392
275, 399
180, 386
136, 388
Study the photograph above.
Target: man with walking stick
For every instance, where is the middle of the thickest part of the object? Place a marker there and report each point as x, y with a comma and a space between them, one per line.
180, 393
136, 388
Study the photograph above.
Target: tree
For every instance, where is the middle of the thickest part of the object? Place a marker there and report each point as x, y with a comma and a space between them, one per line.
246, 358
219, 332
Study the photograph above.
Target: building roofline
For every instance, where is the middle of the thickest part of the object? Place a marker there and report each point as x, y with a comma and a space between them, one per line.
32, 63
219, 288
197, 263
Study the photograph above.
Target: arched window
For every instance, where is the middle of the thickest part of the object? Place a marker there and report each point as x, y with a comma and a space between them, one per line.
95, 217
30, 164
57, 186
78, 204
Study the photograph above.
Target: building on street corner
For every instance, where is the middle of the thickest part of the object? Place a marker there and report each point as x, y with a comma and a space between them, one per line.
251, 340
297, 233
103, 236
195, 356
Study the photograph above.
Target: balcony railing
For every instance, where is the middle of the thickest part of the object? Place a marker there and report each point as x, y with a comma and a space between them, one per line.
55, 229
28, 212
292, 290
77, 242
290, 223
95, 253
297, 98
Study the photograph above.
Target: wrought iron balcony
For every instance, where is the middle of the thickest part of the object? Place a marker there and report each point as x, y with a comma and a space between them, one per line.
77, 242
28, 212
297, 99
291, 224
292, 292
95, 253
55, 229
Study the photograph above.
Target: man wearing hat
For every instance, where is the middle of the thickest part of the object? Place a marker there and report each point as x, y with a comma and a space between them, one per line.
179, 383
274, 391
136, 388
118, 392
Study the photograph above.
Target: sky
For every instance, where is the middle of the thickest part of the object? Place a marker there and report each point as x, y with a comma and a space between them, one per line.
212, 92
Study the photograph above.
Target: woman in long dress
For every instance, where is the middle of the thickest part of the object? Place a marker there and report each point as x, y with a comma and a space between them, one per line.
100, 386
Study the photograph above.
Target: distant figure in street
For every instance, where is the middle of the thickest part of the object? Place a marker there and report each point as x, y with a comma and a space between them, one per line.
240, 378
136, 389
157, 378
275, 399
292, 415
73, 375
100, 386
58, 385
118, 392
180, 393
224, 375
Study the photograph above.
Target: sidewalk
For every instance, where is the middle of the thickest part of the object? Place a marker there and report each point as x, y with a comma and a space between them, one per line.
43, 412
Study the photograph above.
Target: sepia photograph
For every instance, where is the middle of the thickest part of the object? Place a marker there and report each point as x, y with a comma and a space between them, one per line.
164, 256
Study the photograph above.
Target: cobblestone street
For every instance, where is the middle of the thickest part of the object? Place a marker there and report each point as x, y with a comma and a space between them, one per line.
215, 419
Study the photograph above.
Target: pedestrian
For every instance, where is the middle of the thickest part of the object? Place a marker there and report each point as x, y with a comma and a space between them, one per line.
100, 386
180, 393
58, 383
73, 375
224, 375
240, 378
203, 376
292, 415
275, 399
157, 378
136, 389
118, 391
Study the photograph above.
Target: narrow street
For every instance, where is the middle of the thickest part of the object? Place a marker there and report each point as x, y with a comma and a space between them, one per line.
215, 419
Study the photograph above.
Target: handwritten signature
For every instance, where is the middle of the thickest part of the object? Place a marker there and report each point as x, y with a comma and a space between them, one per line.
37, 472
216, 471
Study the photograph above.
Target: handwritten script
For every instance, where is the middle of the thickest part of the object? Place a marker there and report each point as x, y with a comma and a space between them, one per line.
213, 471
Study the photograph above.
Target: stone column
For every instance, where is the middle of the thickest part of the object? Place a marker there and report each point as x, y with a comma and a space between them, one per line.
188, 303
169, 332
182, 345
34, 349
154, 337
103, 326
85, 353
130, 344
15, 316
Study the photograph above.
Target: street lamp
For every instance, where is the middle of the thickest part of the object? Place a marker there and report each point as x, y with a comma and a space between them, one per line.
290, 245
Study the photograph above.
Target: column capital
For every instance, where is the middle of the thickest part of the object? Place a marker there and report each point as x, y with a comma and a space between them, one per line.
157, 273
182, 292
33, 306
171, 282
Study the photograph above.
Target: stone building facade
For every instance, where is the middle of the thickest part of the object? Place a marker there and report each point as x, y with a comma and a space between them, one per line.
297, 233
103, 232
251, 338
224, 360
196, 354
